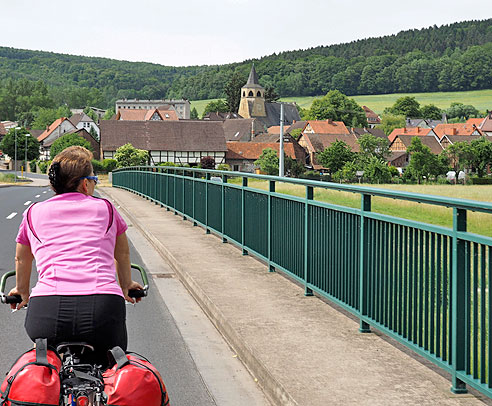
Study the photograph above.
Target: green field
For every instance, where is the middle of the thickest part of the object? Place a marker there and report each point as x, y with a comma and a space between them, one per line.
481, 99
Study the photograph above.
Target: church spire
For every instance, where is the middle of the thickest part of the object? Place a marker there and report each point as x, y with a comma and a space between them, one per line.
253, 77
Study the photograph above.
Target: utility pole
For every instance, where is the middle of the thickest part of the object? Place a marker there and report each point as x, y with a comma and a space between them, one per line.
15, 153
281, 152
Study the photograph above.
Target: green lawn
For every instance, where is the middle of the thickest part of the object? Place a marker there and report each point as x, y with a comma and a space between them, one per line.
481, 99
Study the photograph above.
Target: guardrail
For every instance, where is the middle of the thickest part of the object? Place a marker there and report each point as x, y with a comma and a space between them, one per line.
426, 286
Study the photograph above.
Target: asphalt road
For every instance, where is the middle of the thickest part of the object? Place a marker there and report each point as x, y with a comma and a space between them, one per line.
151, 328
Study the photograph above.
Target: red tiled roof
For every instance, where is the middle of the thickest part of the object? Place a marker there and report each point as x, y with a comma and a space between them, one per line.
413, 131
51, 128
487, 123
327, 127
275, 129
253, 150
182, 135
454, 129
145, 115
474, 121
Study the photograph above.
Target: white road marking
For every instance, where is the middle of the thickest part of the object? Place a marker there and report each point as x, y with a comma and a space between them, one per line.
37, 196
11, 215
27, 203
44, 191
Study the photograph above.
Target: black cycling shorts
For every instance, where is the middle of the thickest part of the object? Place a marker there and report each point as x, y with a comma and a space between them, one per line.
99, 320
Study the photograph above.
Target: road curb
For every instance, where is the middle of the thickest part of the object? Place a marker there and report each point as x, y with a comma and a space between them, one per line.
274, 391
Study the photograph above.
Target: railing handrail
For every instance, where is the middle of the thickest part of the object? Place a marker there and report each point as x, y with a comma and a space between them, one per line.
449, 202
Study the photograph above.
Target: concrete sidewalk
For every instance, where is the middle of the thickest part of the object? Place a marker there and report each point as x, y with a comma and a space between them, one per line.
301, 350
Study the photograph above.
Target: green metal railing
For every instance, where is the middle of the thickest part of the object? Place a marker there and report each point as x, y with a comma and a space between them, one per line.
427, 286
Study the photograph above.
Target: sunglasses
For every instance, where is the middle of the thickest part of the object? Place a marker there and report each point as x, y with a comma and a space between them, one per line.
94, 178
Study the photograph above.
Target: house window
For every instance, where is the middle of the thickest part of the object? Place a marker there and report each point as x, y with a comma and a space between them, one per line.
250, 94
258, 94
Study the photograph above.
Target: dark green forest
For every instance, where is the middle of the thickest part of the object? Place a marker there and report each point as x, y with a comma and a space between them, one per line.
451, 57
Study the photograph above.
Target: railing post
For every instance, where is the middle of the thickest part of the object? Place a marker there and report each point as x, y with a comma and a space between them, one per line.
183, 194
167, 189
194, 217
309, 196
224, 180
458, 349
364, 263
207, 178
243, 215
271, 189
174, 191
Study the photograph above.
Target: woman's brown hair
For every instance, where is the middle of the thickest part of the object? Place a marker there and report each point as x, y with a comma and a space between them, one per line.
68, 167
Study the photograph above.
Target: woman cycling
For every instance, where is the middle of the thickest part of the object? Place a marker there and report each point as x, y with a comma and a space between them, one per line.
80, 245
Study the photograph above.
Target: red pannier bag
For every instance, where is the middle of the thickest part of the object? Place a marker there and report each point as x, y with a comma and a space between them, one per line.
133, 381
34, 379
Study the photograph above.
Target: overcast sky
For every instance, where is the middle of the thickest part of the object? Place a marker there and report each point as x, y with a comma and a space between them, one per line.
199, 32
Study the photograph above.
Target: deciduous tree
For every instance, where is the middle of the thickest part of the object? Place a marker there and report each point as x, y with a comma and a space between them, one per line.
335, 156
268, 161
215, 106
338, 107
7, 145
66, 141
128, 155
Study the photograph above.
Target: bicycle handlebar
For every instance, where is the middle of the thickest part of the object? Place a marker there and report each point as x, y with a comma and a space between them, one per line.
132, 293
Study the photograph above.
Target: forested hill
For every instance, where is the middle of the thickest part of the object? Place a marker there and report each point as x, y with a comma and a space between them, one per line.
447, 58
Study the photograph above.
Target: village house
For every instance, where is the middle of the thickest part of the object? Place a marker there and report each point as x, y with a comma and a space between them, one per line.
462, 129
241, 129
57, 128
325, 127
424, 122
448, 140
83, 121
483, 124
81, 132
375, 132
314, 143
241, 156
220, 116
400, 157
182, 106
412, 131
180, 142
165, 113
372, 118
253, 104
3, 131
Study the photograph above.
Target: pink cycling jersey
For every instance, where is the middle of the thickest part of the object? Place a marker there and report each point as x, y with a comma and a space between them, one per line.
72, 237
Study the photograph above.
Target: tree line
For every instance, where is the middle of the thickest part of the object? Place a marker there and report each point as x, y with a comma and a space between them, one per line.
448, 58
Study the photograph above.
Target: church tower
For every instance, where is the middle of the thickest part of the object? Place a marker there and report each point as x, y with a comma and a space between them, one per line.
252, 97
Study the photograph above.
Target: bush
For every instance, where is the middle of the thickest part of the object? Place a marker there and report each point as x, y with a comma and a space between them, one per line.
224, 167
475, 180
32, 165
43, 166
312, 175
128, 155
97, 166
442, 180
109, 164
166, 164
207, 162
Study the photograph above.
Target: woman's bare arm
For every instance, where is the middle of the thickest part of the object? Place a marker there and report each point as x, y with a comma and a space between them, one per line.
123, 267
23, 266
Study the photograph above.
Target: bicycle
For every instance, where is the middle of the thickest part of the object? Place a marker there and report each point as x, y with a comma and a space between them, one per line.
81, 382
